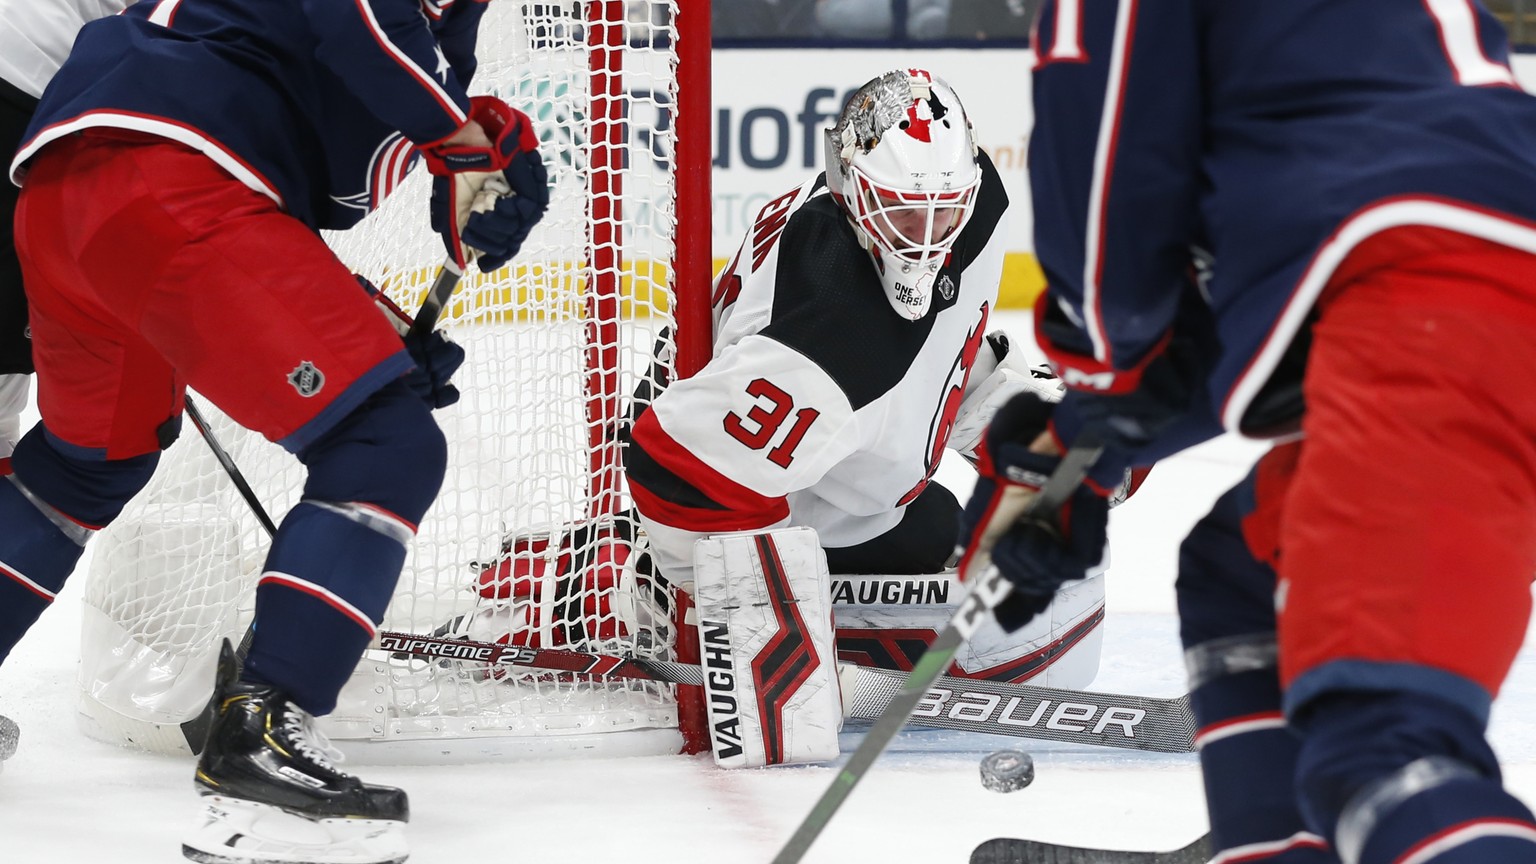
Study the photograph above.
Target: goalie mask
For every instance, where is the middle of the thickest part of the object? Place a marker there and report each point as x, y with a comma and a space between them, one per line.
901, 162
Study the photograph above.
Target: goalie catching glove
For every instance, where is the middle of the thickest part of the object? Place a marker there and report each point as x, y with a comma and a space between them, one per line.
1000, 374
1034, 557
486, 198
436, 356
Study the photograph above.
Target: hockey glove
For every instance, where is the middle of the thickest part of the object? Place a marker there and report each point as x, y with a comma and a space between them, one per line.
1036, 557
485, 200
1132, 406
436, 356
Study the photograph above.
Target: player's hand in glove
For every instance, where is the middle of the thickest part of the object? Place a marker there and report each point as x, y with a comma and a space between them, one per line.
1134, 419
490, 189
1130, 406
437, 357
1036, 557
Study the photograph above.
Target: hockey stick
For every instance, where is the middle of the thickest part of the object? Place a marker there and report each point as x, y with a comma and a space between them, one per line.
985, 591
196, 729
1009, 851
995, 708
448, 277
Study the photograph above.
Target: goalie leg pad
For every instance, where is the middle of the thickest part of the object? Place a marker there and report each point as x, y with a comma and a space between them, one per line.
887, 622
765, 632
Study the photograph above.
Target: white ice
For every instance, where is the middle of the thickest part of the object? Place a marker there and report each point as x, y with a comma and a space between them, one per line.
65, 798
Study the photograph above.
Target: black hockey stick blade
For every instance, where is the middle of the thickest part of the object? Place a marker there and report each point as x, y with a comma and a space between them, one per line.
442, 289
981, 594
1010, 851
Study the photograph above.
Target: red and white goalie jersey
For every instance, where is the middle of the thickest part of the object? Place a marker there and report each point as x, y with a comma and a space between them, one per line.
822, 406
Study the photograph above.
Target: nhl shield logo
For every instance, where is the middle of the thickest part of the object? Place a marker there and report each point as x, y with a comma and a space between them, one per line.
306, 379
946, 288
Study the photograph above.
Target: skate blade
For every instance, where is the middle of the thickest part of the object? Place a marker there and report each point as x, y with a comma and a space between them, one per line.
235, 831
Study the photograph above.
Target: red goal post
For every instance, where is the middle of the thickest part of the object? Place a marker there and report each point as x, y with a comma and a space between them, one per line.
531, 540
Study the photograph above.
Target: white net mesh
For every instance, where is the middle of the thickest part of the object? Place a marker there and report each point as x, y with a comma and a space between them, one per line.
528, 539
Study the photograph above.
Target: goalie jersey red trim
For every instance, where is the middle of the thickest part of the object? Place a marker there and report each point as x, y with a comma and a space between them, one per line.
668, 484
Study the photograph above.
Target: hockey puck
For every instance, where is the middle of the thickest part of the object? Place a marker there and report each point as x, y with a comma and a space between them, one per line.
1007, 771
9, 734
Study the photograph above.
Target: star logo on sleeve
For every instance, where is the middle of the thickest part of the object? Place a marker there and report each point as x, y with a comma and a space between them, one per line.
442, 64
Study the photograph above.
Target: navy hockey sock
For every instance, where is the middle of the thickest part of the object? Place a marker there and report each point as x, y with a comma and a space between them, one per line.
1247, 753
1397, 776
325, 587
1470, 820
36, 556
1248, 760
53, 503
337, 555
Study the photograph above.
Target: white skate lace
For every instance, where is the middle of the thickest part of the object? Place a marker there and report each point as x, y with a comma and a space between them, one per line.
310, 741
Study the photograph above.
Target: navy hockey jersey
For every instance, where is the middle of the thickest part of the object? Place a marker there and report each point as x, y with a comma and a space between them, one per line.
1277, 135
314, 104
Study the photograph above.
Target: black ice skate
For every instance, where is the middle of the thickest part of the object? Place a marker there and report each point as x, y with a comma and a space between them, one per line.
272, 795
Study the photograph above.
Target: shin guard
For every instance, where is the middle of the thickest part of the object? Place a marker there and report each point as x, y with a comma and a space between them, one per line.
338, 554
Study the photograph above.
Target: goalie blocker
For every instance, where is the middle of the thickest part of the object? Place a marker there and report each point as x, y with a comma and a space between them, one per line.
765, 635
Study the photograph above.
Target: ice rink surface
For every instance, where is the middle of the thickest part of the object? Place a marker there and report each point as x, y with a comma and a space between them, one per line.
66, 799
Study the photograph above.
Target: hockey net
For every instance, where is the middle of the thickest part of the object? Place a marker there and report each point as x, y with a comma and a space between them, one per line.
529, 540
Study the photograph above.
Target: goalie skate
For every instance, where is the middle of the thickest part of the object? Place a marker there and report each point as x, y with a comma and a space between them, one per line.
272, 793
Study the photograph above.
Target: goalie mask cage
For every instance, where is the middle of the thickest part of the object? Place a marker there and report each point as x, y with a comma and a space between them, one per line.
530, 540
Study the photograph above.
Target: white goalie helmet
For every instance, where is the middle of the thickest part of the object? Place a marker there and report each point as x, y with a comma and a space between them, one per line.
901, 162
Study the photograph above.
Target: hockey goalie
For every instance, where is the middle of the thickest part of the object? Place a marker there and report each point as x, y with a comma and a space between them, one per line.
851, 348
